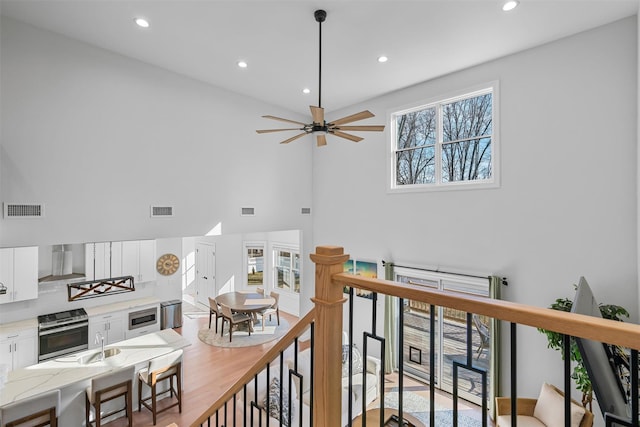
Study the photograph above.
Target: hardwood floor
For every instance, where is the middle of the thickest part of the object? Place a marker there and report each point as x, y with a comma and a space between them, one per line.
208, 371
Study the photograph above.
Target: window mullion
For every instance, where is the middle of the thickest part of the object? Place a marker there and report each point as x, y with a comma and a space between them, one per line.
439, 144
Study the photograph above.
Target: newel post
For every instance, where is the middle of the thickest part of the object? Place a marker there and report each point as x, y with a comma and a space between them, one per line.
327, 373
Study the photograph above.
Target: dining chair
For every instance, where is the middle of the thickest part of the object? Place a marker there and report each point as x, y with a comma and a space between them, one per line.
234, 319
271, 310
41, 410
260, 291
214, 310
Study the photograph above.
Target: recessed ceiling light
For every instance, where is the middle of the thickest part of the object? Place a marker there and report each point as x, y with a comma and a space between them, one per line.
242, 64
382, 59
306, 90
141, 22
510, 5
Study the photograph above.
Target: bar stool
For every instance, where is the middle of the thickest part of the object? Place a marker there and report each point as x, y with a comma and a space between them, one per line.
159, 369
41, 410
107, 387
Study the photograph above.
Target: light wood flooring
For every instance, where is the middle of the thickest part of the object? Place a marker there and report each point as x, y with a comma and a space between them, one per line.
209, 371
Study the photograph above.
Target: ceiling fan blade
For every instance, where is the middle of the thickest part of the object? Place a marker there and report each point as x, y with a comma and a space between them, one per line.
373, 128
283, 120
317, 113
366, 114
322, 140
293, 138
347, 136
275, 130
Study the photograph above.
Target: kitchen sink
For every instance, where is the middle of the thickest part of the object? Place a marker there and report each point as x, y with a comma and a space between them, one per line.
96, 357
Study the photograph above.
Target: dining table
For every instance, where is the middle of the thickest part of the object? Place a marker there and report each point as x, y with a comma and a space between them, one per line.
246, 302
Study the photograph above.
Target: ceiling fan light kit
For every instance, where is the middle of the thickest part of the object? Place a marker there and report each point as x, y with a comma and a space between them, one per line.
319, 126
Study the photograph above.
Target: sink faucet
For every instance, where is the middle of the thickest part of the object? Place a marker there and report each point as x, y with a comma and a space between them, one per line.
100, 340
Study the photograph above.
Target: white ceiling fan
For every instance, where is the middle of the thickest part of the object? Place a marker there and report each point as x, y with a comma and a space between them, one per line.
319, 126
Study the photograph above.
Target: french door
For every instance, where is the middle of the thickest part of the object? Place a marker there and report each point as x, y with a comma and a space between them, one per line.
449, 331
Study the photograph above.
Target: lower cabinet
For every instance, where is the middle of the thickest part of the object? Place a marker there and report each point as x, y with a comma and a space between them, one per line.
19, 349
132, 333
111, 326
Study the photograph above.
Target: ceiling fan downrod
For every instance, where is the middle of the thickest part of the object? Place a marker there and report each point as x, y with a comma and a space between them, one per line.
320, 16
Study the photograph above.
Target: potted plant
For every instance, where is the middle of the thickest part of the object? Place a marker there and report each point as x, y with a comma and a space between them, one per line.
555, 341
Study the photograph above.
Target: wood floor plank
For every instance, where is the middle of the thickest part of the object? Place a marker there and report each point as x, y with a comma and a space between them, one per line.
208, 373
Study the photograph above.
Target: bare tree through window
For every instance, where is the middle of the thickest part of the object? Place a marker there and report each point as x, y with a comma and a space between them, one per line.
447, 142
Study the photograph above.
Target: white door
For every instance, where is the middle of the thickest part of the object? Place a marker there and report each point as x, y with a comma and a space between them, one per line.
205, 272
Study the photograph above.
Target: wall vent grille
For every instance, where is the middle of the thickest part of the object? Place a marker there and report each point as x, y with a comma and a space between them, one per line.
306, 211
161, 211
247, 211
22, 210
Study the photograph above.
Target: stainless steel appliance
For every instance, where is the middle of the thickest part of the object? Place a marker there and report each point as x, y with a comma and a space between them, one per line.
143, 318
62, 333
171, 314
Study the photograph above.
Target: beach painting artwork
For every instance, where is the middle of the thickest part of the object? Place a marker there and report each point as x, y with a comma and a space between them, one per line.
348, 267
369, 270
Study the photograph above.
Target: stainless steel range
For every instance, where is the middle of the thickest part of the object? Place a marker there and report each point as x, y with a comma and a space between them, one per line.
62, 333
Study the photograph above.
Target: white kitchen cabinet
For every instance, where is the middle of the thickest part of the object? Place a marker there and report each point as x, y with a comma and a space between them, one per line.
111, 326
19, 349
19, 274
132, 333
139, 260
103, 260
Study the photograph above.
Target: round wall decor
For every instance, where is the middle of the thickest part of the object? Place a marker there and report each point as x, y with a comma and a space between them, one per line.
167, 264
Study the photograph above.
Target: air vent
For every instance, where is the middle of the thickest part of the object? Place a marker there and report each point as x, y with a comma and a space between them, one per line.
248, 211
306, 211
20, 210
161, 211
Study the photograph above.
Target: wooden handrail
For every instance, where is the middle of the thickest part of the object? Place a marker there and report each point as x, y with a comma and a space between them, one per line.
328, 332
577, 325
296, 330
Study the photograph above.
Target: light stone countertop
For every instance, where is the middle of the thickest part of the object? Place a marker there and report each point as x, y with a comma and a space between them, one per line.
120, 306
21, 325
66, 370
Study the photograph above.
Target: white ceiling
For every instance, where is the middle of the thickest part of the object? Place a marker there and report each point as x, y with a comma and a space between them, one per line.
204, 39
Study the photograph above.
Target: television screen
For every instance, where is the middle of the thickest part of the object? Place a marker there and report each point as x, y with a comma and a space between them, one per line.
597, 359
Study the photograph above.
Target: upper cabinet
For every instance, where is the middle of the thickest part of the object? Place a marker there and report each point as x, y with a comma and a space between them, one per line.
139, 260
135, 258
18, 274
103, 260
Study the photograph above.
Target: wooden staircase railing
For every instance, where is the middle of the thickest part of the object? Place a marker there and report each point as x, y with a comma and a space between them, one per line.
328, 319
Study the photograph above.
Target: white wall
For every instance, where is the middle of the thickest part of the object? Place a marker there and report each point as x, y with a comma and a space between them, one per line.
567, 203
230, 266
98, 138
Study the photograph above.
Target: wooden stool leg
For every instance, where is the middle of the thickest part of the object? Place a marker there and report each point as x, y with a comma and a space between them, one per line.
129, 403
179, 392
153, 402
97, 408
87, 409
139, 394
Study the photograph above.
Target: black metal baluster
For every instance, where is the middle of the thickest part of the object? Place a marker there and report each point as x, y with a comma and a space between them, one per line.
432, 362
400, 361
350, 364
514, 382
566, 350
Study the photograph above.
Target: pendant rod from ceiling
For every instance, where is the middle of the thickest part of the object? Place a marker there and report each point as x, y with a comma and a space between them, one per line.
320, 16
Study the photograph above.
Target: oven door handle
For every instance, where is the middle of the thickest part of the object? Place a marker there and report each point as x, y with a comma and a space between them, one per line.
66, 328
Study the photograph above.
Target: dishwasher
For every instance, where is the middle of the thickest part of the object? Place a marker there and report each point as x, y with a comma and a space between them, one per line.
171, 314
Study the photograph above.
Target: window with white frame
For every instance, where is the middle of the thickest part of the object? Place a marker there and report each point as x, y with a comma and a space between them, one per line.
446, 144
254, 262
287, 269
